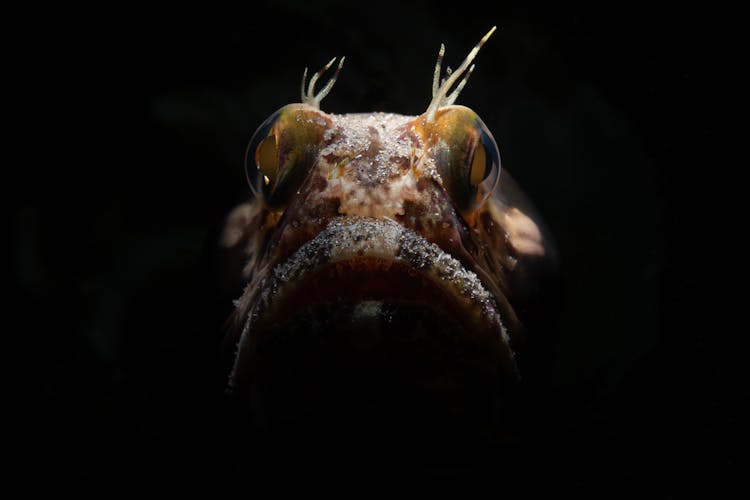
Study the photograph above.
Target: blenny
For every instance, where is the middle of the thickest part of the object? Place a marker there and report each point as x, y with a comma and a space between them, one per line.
382, 254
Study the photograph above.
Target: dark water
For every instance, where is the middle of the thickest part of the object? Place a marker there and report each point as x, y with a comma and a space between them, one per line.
128, 126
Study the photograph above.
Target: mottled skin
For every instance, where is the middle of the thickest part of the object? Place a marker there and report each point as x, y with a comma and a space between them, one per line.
374, 171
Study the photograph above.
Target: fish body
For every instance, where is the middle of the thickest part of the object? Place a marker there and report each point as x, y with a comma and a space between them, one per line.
387, 258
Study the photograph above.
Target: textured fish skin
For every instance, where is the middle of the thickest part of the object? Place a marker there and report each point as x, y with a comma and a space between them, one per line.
388, 263
373, 195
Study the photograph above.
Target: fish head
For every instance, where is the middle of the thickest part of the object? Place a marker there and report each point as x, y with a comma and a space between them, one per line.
385, 249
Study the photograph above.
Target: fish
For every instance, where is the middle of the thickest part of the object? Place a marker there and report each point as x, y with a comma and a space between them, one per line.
388, 261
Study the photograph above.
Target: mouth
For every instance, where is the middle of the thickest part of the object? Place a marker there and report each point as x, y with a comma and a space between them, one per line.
370, 303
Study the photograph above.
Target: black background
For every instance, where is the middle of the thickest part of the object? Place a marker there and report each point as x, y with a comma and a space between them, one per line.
128, 125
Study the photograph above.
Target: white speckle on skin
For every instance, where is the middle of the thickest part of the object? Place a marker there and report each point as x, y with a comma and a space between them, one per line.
373, 149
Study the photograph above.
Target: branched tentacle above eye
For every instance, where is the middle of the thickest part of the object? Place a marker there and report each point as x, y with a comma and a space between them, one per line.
309, 96
436, 76
454, 95
439, 92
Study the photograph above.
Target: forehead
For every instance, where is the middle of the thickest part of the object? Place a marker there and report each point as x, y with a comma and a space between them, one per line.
372, 146
361, 129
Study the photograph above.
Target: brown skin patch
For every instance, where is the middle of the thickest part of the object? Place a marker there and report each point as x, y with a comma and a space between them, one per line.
401, 162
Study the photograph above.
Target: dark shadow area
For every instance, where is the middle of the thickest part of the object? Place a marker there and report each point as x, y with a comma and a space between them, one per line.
128, 129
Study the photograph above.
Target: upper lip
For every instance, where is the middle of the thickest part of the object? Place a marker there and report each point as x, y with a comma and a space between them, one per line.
352, 240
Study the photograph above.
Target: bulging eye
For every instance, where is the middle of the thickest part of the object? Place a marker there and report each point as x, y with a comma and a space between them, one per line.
485, 167
281, 152
479, 166
267, 159
262, 159
467, 157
